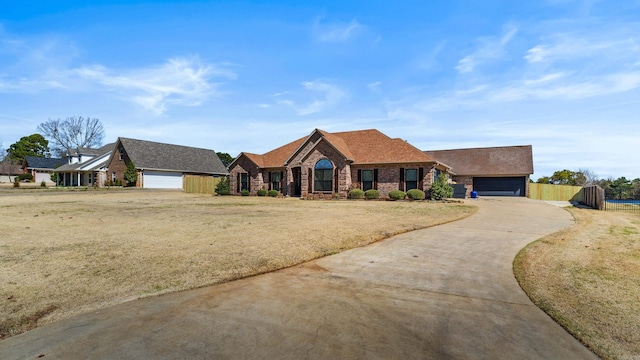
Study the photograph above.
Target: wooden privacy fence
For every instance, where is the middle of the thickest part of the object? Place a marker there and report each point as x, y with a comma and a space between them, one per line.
200, 184
593, 196
552, 192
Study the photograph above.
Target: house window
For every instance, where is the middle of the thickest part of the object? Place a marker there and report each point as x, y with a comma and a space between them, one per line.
244, 181
323, 175
411, 179
367, 180
113, 176
275, 180
121, 152
90, 178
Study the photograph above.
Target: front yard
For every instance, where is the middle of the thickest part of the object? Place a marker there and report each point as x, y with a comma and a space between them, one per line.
63, 253
587, 277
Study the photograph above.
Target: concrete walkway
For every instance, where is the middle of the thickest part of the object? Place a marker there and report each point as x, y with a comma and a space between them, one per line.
446, 292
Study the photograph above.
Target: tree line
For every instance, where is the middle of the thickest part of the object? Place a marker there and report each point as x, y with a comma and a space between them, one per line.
620, 188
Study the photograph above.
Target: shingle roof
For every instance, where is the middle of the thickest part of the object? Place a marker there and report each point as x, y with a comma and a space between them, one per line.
361, 147
36, 162
108, 148
10, 169
505, 160
374, 147
159, 156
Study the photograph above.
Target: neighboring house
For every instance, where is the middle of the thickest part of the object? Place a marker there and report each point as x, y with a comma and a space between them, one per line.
85, 166
9, 171
41, 168
161, 166
501, 171
327, 164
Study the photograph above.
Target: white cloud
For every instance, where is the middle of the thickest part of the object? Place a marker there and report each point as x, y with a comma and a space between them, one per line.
490, 48
330, 95
337, 32
179, 81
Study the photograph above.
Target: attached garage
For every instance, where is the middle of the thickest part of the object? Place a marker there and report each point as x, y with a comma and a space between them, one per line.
493, 171
500, 186
161, 180
43, 176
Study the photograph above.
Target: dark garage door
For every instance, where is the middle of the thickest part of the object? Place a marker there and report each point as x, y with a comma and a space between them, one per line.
500, 186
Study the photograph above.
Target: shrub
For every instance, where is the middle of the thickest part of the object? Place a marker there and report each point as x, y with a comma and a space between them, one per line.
245, 192
261, 192
372, 194
356, 194
23, 177
273, 193
397, 195
222, 187
441, 188
130, 174
116, 182
16, 182
415, 194
43, 184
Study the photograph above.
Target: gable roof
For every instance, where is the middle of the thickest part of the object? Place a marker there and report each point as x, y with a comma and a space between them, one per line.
504, 160
36, 162
275, 158
10, 169
98, 161
361, 147
160, 156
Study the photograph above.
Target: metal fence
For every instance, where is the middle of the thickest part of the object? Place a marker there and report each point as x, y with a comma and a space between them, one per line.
594, 196
621, 205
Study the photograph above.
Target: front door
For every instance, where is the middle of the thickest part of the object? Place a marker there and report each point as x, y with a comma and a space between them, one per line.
297, 181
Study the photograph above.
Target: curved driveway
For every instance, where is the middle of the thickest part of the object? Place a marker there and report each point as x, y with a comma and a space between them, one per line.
446, 292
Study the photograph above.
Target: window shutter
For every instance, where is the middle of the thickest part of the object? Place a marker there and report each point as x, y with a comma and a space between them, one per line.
335, 181
249, 181
401, 185
238, 184
375, 179
269, 181
420, 177
282, 182
360, 178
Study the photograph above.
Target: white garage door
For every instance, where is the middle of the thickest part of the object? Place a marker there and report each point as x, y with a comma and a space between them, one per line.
40, 177
162, 180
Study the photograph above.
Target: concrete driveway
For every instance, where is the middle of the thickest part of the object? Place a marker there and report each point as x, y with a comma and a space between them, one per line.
446, 292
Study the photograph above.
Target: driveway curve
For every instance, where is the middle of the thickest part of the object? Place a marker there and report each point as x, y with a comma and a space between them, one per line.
446, 292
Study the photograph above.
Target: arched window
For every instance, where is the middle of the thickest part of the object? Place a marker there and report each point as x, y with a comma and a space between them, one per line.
323, 176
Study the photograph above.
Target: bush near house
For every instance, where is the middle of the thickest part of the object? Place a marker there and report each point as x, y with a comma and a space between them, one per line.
372, 194
245, 193
23, 177
261, 192
356, 194
273, 193
222, 188
397, 195
441, 188
415, 194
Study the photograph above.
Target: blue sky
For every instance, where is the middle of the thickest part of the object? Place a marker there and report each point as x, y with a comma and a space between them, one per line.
561, 75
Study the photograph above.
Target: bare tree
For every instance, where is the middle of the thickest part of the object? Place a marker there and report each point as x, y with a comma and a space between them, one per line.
586, 177
72, 132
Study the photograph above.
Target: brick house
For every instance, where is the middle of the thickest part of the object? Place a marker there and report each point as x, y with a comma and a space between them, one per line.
160, 165
491, 171
327, 164
41, 168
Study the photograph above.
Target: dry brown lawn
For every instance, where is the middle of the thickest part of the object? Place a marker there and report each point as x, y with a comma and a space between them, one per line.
587, 277
63, 253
